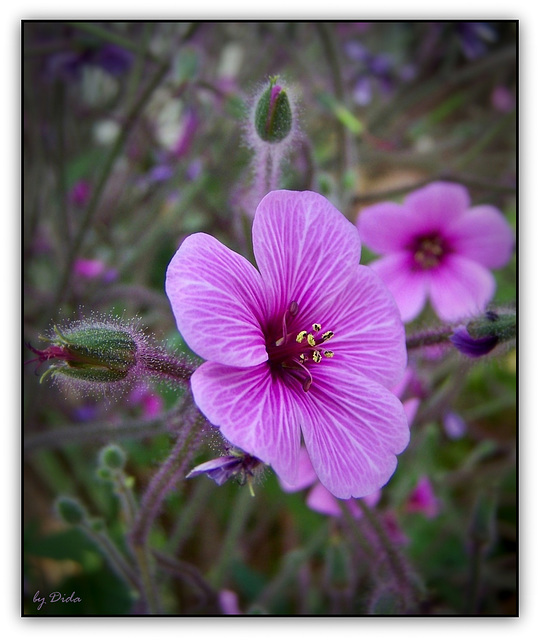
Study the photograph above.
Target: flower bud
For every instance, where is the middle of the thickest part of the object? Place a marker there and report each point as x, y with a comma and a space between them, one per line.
70, 510
273, 114
92, 353
483, 334
112, 457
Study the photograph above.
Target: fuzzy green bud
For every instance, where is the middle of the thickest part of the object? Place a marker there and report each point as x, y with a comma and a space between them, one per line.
273, 115
499, 325
70, 510
91, 353
112, 457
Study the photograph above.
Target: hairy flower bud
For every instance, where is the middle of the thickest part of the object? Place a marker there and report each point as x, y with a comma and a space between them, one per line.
112, 457
101, 353
273, 114
70, 510
483, 334
92, 353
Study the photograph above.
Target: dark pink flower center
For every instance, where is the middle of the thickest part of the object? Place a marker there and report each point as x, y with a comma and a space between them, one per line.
428, 251
297, 351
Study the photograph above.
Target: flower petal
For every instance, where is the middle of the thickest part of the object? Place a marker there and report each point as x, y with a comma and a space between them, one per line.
305, 477
368, 332
321, 500
436, 205
303, 246
385, 227
352, 428
216, 297
460, 288
483, 235
254, 410
408, 286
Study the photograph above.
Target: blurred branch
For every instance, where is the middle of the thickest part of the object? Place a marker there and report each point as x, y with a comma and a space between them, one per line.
102, 431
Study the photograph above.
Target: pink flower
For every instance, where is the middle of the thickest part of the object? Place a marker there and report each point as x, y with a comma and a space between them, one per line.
228, 601
271, 378
80, 193
89, 268
435, 245
423, 500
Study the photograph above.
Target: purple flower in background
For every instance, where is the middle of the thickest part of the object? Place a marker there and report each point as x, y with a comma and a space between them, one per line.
435, 245
373, 70
474, 38
185, 140
502, 99
80, 193
306, 347
68, 65
454, 425
90, 269
423, 500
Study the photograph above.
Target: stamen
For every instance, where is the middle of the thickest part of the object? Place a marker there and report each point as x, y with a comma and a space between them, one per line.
311, 340
317, 356
301, 336
328, 354
306, 384
327, 335
316, 327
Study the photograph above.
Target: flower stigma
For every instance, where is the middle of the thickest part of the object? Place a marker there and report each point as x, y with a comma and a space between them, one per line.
428, 251
297, 350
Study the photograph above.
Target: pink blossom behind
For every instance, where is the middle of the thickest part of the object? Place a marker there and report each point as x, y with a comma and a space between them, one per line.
436, 246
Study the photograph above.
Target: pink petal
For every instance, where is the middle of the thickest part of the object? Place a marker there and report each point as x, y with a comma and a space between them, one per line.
411, 407
305, 477
321, 500
435, 206
352, 428
385, 227
369, 336
216, 297
303, 246
460, 288
408, 287
254, 410
483, 235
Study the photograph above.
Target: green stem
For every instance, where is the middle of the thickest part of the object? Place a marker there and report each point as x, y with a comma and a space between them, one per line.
429, 338
240, 511
395, 561
150, 593
116, 561
102, 431
290, 566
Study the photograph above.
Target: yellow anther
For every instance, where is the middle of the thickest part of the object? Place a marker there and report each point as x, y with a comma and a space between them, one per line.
316, 327
301, 336
327, 335
328, 354
317, 356
311, 340
303, 357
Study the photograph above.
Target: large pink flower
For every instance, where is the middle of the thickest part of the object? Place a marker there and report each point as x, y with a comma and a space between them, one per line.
435, 245
306, 347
